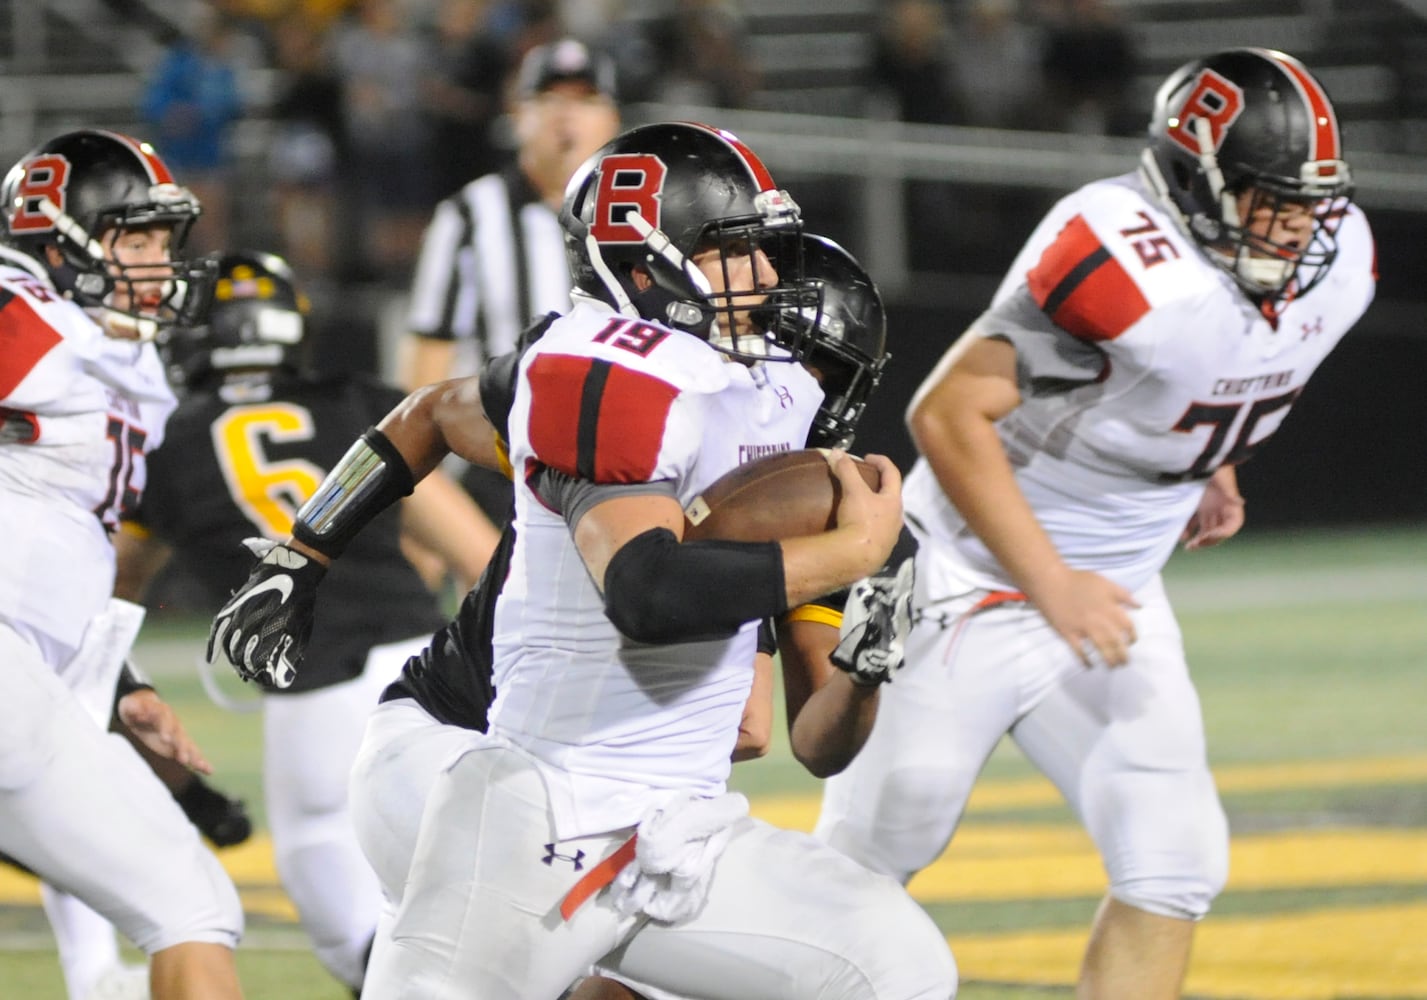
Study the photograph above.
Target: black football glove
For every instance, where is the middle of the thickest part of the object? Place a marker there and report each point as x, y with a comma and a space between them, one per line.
875, 623
221, 819
263, 629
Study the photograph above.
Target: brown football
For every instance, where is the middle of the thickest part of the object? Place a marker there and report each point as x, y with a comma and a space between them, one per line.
784, 495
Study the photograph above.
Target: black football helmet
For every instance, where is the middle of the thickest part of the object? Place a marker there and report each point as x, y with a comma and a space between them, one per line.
1253, 120
657, 195
71, 191
257, 321
843, 338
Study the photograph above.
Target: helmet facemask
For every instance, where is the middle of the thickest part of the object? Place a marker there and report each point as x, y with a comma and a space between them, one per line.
1264, 268
841, 337
745, 323
137, 300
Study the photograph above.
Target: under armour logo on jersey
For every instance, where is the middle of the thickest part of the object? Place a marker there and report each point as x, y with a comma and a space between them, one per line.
576, 860
785, 398
1313, 329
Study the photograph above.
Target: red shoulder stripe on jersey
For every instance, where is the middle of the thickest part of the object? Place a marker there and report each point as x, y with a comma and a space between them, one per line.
1083, 288
24, 340
596, 420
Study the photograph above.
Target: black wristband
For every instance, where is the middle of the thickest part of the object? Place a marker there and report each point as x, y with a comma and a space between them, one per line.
131, 679
371, 476
767, 637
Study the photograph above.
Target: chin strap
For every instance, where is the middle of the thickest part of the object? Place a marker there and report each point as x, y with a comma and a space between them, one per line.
1209, 163
124, 326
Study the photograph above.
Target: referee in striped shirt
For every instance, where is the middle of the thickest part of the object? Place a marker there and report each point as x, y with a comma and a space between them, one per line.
493, 257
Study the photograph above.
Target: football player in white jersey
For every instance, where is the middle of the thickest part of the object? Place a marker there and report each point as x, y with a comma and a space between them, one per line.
93, 224
1151, 335
622, 654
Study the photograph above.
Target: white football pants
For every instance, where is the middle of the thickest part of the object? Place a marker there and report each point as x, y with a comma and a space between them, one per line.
786, 918
309, 742
1125, 746
80, 808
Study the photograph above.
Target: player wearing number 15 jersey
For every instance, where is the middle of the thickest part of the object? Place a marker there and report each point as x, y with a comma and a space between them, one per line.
1152, 334
90, 271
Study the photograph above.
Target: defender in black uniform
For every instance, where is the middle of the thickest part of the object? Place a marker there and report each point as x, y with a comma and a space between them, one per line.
251, 440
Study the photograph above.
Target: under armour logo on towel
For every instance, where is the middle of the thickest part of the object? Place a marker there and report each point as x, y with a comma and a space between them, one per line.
575, 859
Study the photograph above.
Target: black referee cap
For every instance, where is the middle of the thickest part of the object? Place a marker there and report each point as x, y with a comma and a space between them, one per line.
564, 59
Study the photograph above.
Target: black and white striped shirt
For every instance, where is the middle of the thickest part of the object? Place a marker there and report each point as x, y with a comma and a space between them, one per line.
492, 259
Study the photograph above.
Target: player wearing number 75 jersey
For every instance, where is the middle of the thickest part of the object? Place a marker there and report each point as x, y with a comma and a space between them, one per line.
1151, 335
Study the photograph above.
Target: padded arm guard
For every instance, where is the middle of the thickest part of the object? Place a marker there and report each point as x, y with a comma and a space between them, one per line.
369, 479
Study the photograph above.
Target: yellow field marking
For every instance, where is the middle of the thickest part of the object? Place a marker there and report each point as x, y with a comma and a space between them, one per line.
1008, 861
17, 888
1314, 955
1317, 955
799, 812
1012, 863
1004, 862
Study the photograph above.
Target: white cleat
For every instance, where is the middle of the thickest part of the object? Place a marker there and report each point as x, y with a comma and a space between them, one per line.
122, 982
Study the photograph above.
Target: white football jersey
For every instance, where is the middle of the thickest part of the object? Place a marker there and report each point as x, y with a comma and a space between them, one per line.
1142, 368
78, 412
613, 400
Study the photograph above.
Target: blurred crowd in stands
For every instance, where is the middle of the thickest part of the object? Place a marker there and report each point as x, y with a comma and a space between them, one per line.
382, 107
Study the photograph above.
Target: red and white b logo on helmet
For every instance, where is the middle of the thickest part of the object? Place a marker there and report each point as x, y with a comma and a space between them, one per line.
1214, 100
628, 182
45, 177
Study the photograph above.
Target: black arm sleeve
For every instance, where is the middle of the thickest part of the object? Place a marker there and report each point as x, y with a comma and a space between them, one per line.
659, 590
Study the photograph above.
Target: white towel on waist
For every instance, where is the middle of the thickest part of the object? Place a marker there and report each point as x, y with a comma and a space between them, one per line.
679, 844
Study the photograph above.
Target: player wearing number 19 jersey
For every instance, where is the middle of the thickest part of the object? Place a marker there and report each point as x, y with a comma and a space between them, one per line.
1152, 334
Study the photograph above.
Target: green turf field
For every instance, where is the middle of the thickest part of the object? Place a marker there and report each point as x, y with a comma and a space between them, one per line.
1310, 653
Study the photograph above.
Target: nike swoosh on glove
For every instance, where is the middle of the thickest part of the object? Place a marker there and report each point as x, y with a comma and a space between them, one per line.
875, 623
263, 629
